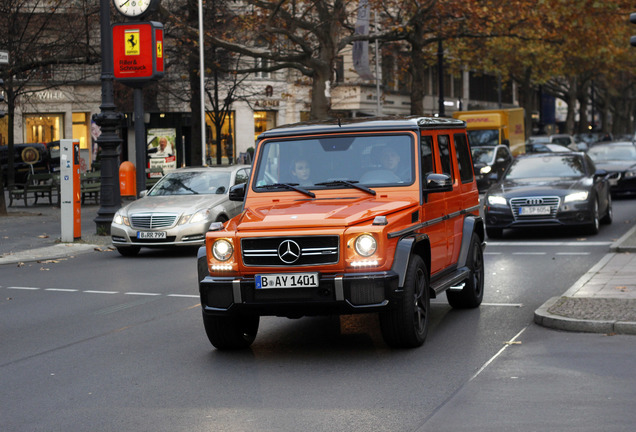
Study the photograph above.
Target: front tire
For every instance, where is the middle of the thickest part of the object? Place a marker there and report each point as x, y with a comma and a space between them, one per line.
473, 292
231, 332
406, 324
595, 226
609, 214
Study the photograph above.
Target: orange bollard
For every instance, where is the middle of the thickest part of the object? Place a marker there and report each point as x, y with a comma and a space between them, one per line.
127, 179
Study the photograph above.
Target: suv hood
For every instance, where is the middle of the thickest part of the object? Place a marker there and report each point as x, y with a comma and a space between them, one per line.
319, 213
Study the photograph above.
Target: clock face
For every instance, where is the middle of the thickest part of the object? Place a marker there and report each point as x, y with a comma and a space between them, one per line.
132, 8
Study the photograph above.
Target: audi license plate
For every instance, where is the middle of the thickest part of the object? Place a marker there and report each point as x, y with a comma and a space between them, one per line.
534, 210
289, 280
151, 234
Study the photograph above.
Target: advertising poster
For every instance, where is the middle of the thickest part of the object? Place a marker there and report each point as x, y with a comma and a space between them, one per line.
162, 150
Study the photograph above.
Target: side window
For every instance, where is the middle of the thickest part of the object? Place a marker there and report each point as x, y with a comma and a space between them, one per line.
443, 143
426, 149
463, 158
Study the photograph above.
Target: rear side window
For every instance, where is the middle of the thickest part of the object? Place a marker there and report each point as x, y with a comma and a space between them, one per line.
463, 158
443, 143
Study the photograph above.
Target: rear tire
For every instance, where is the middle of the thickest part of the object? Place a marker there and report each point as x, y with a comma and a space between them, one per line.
128, 251
406, 324
231, 332
473, 292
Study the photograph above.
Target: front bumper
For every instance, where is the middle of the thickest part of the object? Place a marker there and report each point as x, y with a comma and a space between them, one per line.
567, 215
181, 235
336, 294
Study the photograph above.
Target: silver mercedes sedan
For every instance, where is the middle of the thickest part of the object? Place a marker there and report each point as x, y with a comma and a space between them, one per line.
179, 209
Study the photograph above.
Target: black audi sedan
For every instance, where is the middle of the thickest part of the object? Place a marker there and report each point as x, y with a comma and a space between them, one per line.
619, 160
549, 189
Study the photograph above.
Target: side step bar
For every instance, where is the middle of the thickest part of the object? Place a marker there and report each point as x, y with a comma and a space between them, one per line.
450, 280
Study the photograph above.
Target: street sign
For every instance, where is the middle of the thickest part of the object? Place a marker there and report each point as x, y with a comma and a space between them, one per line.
4, 57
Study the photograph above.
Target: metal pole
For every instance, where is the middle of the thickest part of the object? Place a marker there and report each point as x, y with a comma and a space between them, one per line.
140, 140
109, 121
202, 83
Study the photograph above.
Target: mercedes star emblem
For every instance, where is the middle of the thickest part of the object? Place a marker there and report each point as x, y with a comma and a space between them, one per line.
289, 251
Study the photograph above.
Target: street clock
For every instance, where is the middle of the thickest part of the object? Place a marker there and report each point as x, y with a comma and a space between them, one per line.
135, 8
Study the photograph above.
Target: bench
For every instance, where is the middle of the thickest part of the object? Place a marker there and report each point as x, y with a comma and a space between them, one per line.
90, 185
38, 185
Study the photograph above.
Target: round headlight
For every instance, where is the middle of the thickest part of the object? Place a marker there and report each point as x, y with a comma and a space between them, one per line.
222, 250
365, 245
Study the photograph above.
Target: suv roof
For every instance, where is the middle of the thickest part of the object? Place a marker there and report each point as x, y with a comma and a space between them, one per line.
365, 124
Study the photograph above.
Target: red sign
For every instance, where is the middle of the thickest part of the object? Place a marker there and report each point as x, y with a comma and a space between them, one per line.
138, 52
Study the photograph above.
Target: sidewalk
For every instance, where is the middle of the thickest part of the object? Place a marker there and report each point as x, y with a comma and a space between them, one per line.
603, 300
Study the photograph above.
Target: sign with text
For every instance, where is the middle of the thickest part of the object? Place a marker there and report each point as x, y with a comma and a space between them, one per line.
138, 52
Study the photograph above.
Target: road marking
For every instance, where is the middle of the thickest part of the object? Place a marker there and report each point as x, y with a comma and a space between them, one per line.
493, 253
529, 253
60, 289
575, 244
573, 253
493, 358
23, 288
183, 295
100, 292
517, 305
142, 294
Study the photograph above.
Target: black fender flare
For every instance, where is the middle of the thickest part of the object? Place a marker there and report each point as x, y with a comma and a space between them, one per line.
202, 264
406, 246
472, 224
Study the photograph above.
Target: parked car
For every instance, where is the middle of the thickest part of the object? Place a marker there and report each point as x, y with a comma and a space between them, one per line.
619, 160
544, 144
549, 189
179, 209
489, 163
27, 158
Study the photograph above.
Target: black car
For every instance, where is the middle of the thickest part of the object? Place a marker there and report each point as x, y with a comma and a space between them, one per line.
619, 160
489, 163
549, 189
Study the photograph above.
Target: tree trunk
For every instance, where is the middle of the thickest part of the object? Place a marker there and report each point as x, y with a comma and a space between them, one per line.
418, 85
571, 102
320, 103
195, 108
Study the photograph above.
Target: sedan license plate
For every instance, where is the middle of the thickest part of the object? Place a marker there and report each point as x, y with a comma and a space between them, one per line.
534, 210
289, 280
151, 234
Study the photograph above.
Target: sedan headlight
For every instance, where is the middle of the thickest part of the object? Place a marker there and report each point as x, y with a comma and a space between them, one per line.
120, 220
365, 245
222, 250
496, 200
576, 196
200, 216
630, 174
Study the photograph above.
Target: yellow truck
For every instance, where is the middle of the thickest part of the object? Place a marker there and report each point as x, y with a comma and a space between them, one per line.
494, 127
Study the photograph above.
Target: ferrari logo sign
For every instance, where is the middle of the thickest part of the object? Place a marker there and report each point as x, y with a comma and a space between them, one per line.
132, 42
159, 49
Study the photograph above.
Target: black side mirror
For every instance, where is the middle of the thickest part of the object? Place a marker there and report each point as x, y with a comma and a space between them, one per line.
438, 183
237, 192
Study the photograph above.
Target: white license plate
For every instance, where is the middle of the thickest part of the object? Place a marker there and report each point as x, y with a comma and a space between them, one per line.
534, 210
151, 234
288, 280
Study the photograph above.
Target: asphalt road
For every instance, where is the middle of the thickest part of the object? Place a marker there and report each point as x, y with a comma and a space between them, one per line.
101, 342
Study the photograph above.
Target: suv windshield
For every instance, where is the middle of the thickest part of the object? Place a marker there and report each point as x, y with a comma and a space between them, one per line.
336, 162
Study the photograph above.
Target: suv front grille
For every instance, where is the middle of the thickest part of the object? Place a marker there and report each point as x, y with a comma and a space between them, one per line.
535, 202
152, 220
290, 251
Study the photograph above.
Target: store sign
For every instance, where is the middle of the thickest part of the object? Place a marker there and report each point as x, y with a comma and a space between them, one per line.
138, 52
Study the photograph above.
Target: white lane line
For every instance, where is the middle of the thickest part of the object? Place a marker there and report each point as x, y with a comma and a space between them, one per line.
100, 292
183, 295
492, 359
60, 289
142, 294
23, 288
517, 305
493, 253
529, 253
573, 253
575, 244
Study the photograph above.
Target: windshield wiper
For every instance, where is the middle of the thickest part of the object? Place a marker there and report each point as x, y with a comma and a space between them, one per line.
179, 183
288, 186
350, 183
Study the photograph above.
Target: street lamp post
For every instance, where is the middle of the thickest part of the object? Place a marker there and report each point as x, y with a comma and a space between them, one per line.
109, 121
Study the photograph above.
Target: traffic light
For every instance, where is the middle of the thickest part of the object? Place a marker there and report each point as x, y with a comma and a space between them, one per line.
632, 19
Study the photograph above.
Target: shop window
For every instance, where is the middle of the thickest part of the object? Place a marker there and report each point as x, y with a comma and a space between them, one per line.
263, 120
226, 143
42, 128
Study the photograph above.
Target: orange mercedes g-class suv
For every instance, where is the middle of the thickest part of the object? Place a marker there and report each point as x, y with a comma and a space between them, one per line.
372, 216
